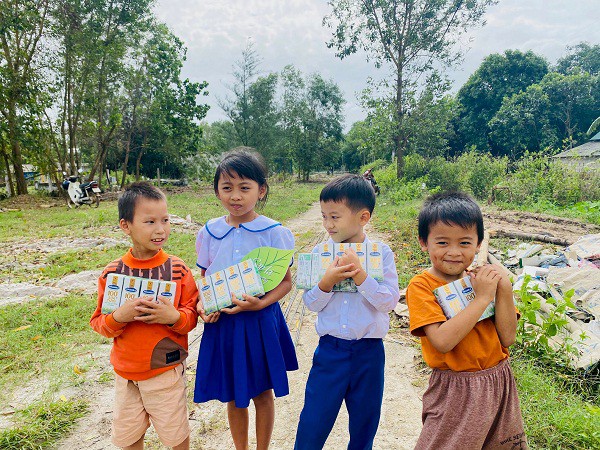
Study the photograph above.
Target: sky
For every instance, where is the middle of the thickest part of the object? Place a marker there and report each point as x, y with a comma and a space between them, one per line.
284, 32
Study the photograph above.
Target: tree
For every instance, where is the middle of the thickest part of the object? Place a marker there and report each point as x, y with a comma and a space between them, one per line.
575, 102
554, 113
411, 36
23, 23
497, 77
581, 58
253, 109
522, 124
312, 118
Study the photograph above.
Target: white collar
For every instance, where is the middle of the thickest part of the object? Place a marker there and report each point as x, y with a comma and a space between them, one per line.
219, 228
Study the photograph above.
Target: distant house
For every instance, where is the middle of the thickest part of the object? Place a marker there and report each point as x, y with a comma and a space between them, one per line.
585, 156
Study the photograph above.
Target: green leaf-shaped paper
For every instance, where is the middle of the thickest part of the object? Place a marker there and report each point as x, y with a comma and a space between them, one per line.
271, 263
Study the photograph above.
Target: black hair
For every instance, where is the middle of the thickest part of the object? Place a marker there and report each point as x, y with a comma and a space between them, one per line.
353, 190
452, 208
245, 164
131, 194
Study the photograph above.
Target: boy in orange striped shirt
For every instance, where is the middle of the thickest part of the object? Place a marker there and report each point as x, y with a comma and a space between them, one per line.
149, 338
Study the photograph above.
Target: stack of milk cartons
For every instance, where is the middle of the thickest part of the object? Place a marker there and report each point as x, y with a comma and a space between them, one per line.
216, 289
454, 297
312, 266
120, 288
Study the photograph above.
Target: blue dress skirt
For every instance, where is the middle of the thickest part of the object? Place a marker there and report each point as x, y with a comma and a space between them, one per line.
243, 355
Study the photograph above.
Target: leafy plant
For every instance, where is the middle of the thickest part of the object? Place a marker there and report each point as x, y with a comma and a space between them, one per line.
542, 333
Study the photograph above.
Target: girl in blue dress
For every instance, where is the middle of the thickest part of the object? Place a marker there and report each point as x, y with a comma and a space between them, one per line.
245, 350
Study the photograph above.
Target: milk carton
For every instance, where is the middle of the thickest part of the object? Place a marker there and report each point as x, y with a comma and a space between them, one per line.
304, 272
131, 288
456, 296
234, 281
361, 251
324, 258
222, 292
207, 296
112, 292
374, 261
149, 288
348, 284
251, 279
167, 289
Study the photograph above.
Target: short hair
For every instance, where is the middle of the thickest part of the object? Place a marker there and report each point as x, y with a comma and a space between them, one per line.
452, 208
245, 164
131, 194
353, 190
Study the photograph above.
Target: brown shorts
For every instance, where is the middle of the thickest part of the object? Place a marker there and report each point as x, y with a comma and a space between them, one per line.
472, 411
160, 399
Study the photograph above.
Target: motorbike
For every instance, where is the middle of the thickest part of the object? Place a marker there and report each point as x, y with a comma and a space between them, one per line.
81, 193
368, 176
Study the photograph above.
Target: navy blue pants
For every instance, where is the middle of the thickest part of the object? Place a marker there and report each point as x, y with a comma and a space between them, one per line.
351, 371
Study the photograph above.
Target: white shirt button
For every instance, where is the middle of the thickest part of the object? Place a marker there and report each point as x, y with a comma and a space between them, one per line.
363, 292
345, 301
237, 251
343, 326
237, 231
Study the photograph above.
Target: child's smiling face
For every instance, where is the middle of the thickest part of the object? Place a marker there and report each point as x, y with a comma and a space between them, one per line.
451, 249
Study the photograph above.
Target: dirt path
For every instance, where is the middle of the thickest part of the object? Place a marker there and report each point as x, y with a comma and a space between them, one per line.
559, 227
400, 422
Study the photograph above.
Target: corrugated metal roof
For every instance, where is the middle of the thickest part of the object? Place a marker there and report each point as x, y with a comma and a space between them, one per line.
596, 137
590, 149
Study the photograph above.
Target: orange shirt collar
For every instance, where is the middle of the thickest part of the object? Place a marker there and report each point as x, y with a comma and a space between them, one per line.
157, 260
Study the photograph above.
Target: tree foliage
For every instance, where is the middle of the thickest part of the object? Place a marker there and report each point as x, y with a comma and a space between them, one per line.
498, 76
104, 86
552, 114
582, 57
409, 36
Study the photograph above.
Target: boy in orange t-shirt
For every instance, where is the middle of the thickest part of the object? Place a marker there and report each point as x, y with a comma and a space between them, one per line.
149, 338
471, 401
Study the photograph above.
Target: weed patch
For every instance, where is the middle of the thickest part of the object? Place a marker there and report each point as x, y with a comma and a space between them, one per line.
42, 424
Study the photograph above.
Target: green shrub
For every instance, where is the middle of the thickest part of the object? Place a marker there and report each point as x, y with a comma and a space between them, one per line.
405, 191
444, 174
415, 167
386, 177
480, 172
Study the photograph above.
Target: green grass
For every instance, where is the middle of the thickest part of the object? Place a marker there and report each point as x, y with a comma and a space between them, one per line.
555, 418
57, 337
42, 424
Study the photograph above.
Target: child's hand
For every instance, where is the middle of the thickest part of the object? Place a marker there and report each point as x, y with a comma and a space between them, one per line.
350, 257
336, 273
485, 282
127, 312
207, 318
162, 312
248, 304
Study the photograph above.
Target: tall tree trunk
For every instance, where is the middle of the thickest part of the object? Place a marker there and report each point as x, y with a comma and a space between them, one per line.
138, 161
399, 138
15, 145
126, 161
11, 186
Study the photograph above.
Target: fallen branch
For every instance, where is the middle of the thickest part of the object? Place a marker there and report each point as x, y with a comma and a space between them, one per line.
482, 255
531, 237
